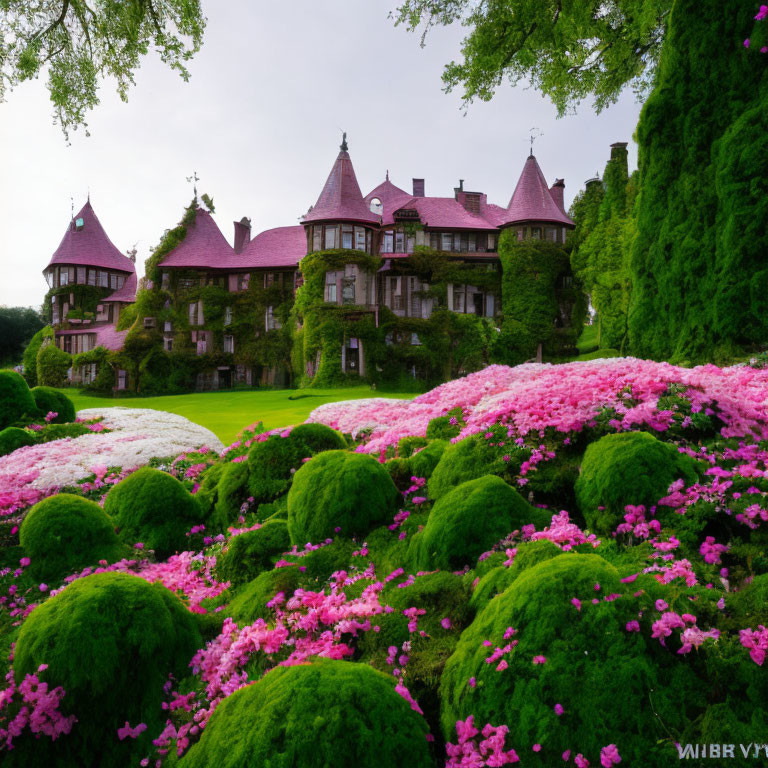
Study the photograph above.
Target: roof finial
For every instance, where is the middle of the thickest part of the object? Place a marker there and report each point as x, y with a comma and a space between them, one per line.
88, 197
387, 174
71, 207
344, 146
533, 137
194, 178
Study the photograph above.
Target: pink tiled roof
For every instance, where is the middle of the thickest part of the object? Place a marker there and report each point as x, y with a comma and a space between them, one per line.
341, 199
446, 212
89, 246
532, 200
204, 246
127, 293
279, 247
107, 336
392, 198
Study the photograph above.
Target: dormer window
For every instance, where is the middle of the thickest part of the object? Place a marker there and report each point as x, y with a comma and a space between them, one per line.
376, 206
79, 224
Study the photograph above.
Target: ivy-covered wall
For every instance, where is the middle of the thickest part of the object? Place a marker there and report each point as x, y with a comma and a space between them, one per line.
87, 298
542, 302
700, 276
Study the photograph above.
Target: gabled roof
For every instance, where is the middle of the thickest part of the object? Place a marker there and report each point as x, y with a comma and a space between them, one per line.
279, 247
532, 200
341, 199
127, 293
203, 246
447, 212
89, 246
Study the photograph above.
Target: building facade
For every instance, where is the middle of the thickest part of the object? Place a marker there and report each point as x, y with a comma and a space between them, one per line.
381, 286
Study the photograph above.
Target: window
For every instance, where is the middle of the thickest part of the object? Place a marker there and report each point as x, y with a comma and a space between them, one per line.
120, 281
91, 277
387, 243
536, 233
489, 305
410, 242
551, 234
81, 275
331, 237
447, 241
244, 282
317, 238
520, 233
272, 323
165, 281
348, 284
227, 315
491, 242
200, 339
399, 242
63, 276
415, 340
196, 313
229, 344
457, 242
472, 242
458, 298
122, 379
149, 322
330, 287
359, 239
168, 343
434, 241
103, 279
113, 281
346, 236
168, 326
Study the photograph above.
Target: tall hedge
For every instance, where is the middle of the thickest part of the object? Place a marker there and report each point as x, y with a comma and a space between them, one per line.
52, 366
700, 279
15, 398
29, 359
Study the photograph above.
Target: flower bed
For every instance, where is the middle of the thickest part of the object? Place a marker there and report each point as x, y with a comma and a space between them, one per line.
566, 397
136, 435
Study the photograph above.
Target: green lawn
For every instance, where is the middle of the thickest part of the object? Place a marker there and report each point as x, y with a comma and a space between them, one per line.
226, 413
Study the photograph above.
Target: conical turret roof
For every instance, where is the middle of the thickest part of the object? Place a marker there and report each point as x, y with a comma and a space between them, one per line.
89, 245
532, 199
341, 199
203, 246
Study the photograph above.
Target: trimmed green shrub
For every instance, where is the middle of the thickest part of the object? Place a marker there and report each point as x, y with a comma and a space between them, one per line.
626, 468
153, 507
318, 438
29, 358
339, 489
407, 445
252, 552
321, 714
495, 581
48, 399
400, 472
270, 465
468, 521
65, 533
52, 366
595, 669
208, 492
16, 400
110, 640
440, 428
423, 462
250, 603
12, 438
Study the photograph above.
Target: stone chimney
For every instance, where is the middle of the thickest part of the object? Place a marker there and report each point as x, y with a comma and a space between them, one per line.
557, 191
418, 187
242, 233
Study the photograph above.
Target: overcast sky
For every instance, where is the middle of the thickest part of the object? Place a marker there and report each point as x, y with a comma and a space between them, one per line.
260, 121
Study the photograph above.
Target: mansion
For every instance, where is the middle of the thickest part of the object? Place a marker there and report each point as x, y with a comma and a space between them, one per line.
380, 286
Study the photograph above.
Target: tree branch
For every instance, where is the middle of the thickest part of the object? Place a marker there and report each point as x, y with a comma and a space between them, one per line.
58, 22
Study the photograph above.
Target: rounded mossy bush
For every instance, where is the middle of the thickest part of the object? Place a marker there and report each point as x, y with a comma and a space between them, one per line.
110, 640
400, 472
221, 494
496, 580
592, 666
65, 533
16, 400
627, 468
154, 508
252, 552
406, 446
327, 713
250, 601
440, 428
468, 521
12, 438
341, 490
271, 464
424, 461
50, 400
318, 438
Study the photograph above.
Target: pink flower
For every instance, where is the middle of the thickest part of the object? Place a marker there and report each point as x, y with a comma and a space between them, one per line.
559, 709
539, 659
581, 761
502, 665
566, 755
445, 623
609, 756
133, 733
576, 602
746, 43
762, 13
536, 747
633, 626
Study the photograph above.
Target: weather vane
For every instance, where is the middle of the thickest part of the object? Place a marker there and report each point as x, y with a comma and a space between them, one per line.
194, 178
533, 137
